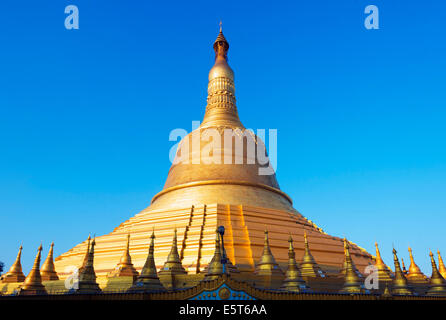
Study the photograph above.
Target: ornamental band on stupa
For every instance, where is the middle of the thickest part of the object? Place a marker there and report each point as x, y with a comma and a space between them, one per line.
266, 250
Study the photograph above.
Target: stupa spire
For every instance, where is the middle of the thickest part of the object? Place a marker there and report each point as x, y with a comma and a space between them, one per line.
399, 283
437, 284
148, 279
33, 282
48, 271
293, 281
352, 283
441, 266
267, 264
125, 266
221, 107
308, 266
215, 267
15, 273
415, 273
84, 262
403, 266
173, 264
384, 273
87, 276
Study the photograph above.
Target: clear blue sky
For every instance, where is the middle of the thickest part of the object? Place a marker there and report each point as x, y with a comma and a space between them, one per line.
85, 114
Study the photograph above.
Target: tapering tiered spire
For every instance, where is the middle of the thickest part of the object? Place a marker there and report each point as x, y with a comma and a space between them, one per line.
384, 273
221, 107
403, 266
399, 284
437, 284
148, 279
125, 266
87, 276
308, 266
414, 273
215, 267
293, 281
33, 282
267, 265
441, 266
15, 273
352, 283
48, 271
84, 262
173, 264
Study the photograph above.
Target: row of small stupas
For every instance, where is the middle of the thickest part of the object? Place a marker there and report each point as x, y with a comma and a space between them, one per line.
304, 277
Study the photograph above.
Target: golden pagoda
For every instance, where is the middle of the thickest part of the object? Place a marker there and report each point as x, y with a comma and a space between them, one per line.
414, 274
441, 266
436, 282
293, 281
384, 273
15, 273
352, 282
33, 282
48, 271
202, 192
309, 267
399, 283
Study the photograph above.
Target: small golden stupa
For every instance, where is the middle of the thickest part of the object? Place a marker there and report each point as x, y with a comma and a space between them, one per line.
200, 195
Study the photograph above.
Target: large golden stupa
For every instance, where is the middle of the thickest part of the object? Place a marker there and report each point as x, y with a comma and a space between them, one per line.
200, 194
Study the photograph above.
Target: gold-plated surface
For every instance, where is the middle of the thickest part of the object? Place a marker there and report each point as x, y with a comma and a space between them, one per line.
173, 265
308, 266
414, 273
293, 281
436, 282
441, 265
399, 284
198, 197
33, 282
267, 265
125, 266
352, 283
87, 275
404, 267
384, 272
48, 271
148, 280
15, 273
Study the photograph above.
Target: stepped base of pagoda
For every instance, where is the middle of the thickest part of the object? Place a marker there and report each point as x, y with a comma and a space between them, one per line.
196, 225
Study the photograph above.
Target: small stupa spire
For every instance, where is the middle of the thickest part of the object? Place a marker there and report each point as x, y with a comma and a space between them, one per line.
87, 276
84, 262
173, 263
399, 284
215, 267
48, 271
352, 283
384, 273
267, 265
403, 266
441, 266
308, 266
33, 282
148, 279
125, 266
15, 273
293, 281
415, 273
437, 284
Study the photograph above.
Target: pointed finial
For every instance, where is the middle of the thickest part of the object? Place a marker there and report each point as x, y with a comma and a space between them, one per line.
414, 273
33, 282
437, 284
48, 271
352, 282
309, 267
441, 265
400, 286
15, 273
221, 26
384, 273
